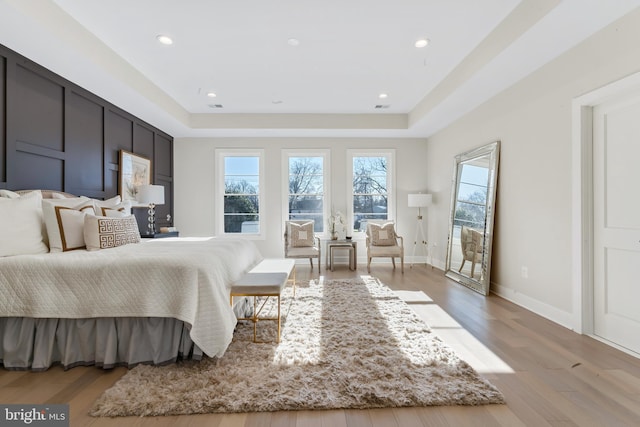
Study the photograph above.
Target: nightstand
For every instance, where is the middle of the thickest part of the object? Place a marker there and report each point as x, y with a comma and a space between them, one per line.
160, 235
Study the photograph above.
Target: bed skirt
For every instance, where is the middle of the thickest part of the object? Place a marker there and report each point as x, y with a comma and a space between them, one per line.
36, 344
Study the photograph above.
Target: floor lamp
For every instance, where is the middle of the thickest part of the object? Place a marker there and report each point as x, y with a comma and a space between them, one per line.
419, 201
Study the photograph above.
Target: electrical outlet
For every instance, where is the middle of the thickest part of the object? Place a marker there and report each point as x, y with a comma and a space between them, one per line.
524, 272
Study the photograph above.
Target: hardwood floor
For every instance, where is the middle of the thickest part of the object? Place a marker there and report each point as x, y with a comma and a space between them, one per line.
549, 375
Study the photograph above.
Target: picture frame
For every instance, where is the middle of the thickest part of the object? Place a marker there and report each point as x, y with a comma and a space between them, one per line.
134, 171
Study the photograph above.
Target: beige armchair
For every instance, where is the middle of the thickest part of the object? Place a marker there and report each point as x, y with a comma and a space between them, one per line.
300, 241
382, 241
471, 243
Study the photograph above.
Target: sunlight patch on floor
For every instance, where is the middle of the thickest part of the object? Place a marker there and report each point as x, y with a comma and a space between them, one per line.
468, 347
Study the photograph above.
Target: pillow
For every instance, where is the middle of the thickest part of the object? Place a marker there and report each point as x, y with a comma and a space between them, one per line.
301, 235
21, 227
119, 210
51, 218
71, 225
9, 194
382, 234
101, 232
109, 203
56, 195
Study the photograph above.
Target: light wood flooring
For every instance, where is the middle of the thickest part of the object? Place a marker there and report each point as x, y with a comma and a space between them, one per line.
549, 375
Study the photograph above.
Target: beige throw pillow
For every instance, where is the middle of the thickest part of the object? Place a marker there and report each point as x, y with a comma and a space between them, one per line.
382, 234
301, 234
101, 232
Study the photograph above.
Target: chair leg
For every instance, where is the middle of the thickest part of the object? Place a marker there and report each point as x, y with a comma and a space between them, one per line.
369, 264
393, 261
461, 265
473, 267
311, 262
402, 264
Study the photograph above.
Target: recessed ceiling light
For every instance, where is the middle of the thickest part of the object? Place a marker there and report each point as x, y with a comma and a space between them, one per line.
293, 42
211, 95
422, 42
383, 96
164, 39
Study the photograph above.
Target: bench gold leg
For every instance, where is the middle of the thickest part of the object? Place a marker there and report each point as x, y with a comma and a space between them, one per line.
278, 339
255, 319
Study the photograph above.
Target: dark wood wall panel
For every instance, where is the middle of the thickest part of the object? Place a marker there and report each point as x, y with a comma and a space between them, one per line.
84, 146
57, 135
38, 171
118, 136
37, 110
3, 136
143, 142
164, 154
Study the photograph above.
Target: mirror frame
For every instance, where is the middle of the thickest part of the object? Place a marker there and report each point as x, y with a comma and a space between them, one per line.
492, 150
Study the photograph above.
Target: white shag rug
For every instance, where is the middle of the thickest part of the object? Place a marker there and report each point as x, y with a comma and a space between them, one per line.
345, 344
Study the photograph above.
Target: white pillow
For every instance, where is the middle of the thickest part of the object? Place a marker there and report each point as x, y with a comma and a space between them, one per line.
119, 210
56, 195
51, 219
9, 194
21, 227
71, 225
101, 232
109, 203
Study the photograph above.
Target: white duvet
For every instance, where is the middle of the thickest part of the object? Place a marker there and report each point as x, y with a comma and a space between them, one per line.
183, 278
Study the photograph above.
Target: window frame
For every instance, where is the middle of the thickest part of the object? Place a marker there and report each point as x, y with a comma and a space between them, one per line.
221, 154
390, 154
288, 153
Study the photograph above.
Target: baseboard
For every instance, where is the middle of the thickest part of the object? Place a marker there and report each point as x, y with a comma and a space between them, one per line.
547, 311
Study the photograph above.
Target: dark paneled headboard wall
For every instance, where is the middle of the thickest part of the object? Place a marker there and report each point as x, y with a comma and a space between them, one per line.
56, 135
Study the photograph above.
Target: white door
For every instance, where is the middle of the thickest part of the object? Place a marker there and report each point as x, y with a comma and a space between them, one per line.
616, 219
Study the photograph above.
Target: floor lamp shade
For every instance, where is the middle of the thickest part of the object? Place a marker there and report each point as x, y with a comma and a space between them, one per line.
419, 200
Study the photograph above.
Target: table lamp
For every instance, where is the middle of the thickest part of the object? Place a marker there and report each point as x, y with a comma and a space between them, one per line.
151, 195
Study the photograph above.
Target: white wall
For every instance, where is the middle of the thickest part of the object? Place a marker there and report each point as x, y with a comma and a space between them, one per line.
194, 172
533, 121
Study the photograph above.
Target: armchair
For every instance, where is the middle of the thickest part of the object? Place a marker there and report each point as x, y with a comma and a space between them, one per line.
382, 241
300, 241
471, 243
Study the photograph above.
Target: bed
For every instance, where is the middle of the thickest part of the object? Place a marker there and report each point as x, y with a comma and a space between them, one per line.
151, 302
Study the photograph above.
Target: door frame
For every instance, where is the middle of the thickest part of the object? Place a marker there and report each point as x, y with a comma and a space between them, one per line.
582, 199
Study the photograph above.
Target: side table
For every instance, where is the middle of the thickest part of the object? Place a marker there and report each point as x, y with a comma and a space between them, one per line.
336, 245
160, 235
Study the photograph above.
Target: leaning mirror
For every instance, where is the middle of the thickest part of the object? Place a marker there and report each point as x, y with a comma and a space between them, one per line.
473, 194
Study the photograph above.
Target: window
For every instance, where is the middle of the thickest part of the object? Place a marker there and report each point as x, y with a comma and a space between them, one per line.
239, 188
372, 186
306, 185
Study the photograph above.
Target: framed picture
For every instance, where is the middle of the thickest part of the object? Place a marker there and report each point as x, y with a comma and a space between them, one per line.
134, 171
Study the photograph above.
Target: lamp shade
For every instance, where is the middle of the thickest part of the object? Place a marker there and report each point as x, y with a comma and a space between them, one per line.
419, 200
151, 194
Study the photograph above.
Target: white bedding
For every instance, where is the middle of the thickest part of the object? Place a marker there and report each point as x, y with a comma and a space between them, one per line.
182, 278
